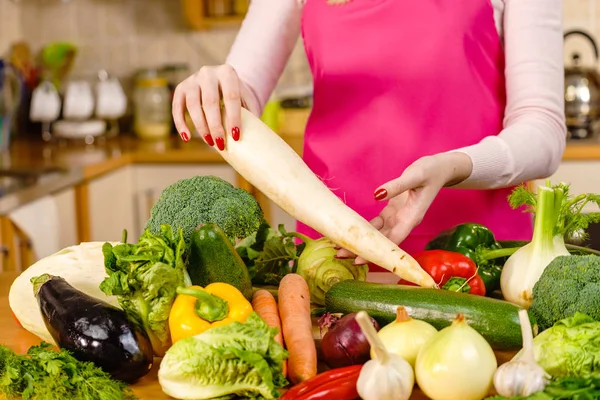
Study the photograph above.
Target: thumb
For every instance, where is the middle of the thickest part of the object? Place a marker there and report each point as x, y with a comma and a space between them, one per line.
411, 178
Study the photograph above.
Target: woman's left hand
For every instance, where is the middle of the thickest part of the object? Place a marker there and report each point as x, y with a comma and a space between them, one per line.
411, 194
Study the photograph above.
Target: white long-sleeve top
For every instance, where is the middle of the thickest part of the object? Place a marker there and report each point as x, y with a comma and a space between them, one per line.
533, 139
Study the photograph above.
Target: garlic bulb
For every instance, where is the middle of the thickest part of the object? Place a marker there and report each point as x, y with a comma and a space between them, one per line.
387, 377
405, 336
521, 376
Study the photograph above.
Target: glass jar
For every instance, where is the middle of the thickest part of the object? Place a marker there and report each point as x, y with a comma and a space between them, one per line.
152, 108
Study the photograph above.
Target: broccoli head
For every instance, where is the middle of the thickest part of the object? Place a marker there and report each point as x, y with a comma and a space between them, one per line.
569, 284
206, 199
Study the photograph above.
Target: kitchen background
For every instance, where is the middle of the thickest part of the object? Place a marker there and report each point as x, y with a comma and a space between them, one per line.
124, 36
109, 146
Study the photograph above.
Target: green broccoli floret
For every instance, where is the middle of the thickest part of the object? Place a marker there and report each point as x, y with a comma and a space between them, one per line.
206, 199
569, 284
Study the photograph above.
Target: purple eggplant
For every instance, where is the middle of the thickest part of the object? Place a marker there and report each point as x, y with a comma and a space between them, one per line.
93, 330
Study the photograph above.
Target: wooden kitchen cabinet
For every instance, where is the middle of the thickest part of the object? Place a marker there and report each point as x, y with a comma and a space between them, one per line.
65, 202
209, 14
18, 251
110, 207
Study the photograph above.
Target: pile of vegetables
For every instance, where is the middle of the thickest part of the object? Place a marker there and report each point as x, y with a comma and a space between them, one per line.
228, 301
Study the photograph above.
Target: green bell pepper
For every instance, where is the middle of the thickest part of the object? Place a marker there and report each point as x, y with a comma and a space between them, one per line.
479, 244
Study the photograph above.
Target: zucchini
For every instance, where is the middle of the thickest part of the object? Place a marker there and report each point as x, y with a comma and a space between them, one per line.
496, 320
214, 259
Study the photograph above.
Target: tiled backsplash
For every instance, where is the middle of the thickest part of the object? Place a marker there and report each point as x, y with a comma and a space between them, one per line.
10, 24
581, 15
125, 35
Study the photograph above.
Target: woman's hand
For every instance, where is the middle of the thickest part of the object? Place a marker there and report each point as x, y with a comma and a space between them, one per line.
412, 193
201, 95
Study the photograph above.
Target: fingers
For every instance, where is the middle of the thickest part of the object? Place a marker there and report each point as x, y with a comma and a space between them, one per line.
230, 87
211, 106
201, 95
178, 111
194, 108
411, 178
377, 222
344, 254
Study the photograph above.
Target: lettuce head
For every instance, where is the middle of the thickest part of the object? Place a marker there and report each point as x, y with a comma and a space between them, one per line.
569, 348
236, 360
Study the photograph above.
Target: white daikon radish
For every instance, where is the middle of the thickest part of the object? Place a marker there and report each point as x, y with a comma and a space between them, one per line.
265, 160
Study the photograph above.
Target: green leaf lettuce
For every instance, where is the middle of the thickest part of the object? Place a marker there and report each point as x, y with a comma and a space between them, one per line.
144, 277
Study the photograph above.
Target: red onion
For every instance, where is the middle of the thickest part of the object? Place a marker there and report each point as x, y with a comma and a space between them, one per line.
345, 344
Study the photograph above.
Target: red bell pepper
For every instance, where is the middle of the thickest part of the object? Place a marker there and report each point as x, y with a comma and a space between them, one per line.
451, 271
338, 383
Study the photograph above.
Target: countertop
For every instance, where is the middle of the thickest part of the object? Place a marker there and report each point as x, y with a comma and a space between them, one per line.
83, 162
147, 388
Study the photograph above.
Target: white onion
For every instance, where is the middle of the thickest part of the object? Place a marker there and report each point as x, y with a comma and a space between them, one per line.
456, 364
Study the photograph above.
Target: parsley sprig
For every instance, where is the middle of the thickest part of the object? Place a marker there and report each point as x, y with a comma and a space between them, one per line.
46, 374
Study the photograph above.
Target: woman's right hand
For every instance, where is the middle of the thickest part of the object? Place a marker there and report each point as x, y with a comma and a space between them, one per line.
200, 94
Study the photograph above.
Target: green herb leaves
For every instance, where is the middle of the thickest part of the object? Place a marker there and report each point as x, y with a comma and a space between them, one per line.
45, 374
144, 277
270, 254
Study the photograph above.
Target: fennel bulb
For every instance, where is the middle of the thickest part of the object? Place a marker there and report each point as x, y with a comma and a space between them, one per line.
524, 267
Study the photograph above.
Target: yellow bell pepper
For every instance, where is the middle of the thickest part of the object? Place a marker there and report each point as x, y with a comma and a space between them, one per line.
198, 309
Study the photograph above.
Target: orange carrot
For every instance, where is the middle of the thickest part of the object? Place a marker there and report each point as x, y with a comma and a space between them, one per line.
294, 310
264, 304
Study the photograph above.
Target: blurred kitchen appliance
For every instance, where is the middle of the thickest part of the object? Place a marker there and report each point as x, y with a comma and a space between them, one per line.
45, 106
78, 113
11, 89
582, 93
111, 101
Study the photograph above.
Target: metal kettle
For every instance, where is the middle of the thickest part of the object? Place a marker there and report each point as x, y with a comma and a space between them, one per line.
582, 94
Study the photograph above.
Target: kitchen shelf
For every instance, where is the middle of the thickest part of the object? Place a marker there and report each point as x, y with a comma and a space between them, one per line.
195, 13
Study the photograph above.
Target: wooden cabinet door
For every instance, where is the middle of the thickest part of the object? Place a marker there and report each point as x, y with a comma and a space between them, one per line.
111, 206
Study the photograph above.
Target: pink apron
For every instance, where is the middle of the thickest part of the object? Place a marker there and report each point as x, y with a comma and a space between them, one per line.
396, 80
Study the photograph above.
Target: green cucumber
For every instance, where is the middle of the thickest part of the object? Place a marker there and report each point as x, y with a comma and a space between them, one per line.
496, 320
213, 258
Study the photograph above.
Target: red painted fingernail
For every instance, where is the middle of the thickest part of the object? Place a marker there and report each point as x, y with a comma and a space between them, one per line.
380, 194
185, 137
209, 140
340, 257
235, 133
220, 143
